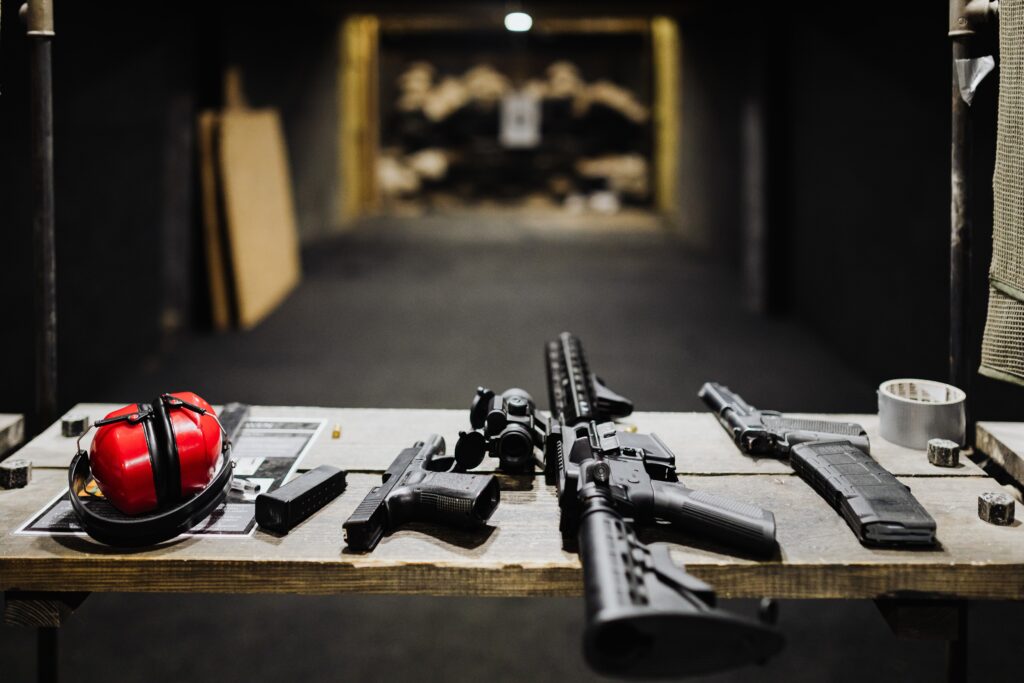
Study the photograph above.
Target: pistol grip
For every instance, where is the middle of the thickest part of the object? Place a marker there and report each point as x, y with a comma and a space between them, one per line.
737, 524
464, 500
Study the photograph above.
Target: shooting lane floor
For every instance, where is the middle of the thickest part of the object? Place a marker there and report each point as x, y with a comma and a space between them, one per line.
521, 552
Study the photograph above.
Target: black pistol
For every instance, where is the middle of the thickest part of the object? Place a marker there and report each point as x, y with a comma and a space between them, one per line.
412, 491
645, 615
768, 432
833, 458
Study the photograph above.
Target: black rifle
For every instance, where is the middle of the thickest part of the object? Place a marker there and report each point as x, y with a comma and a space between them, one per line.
413, 491
575, 393
831, 457
645, 615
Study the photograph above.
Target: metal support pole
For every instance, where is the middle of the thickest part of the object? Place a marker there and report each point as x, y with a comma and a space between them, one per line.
38, 15
960, 234
932, 619
966, 19
47, 654
956, 649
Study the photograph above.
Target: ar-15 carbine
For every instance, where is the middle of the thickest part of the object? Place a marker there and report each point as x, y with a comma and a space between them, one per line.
643, 480
833, 458
645, 615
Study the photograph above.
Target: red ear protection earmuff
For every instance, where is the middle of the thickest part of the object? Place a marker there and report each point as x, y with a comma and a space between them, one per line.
157, 463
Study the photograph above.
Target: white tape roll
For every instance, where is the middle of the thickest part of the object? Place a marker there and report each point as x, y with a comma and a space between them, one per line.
912, 411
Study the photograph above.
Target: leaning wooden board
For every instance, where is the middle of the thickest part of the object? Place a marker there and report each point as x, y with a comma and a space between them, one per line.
258, 210
249, 226
521, 552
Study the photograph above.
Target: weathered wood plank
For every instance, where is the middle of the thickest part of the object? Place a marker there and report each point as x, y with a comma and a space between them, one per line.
522, 553
12, 432
40, 609
1004, 443
371, 438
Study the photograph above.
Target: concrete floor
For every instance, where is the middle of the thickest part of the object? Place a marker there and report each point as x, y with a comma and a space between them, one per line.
390, 317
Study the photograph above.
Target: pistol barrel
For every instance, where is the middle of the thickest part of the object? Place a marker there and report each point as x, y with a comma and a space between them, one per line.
718, 397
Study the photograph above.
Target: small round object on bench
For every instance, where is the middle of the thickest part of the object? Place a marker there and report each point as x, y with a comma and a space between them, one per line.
15, 473
996, 507
943, 452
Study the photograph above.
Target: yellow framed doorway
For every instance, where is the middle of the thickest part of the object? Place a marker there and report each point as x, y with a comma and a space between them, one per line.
359, 92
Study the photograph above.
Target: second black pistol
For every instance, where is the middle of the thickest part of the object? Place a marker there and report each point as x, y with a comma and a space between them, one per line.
768, 432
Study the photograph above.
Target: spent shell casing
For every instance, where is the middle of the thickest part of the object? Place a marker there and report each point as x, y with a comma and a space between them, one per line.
245, 486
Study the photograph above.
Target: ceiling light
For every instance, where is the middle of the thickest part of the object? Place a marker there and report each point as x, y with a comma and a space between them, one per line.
518, 21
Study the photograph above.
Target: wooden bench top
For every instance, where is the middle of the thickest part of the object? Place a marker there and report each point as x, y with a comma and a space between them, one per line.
1004, 443
521, 553
12, 432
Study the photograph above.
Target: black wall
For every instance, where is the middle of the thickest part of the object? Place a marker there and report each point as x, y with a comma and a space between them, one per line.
124, 106
715, 69
129, 79
288, 56
860, 169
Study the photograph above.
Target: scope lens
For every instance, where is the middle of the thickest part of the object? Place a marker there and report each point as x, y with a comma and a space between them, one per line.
515, 447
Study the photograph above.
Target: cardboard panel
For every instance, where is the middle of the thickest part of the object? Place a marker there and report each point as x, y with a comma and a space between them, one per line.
259, 211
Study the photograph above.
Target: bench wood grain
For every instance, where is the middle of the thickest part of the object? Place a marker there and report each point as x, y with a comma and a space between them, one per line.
522, 553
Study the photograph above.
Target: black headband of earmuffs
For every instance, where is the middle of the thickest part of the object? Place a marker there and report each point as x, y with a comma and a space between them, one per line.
168, 522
